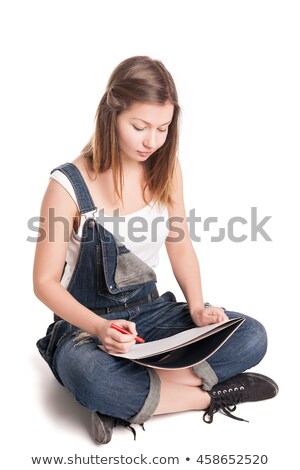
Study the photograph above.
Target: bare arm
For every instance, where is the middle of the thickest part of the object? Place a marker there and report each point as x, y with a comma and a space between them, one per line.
48, 266
184, 261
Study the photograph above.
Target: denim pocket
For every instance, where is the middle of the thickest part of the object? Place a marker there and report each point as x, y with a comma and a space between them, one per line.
119, 270
113, 293
131, 270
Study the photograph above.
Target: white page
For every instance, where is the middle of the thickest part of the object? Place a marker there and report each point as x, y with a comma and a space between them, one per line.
139, 351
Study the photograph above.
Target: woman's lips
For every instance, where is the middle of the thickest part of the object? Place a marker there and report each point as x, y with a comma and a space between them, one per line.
144, 154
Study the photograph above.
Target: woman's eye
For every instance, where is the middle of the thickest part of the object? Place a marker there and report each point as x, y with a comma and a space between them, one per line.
138, 128
163, 130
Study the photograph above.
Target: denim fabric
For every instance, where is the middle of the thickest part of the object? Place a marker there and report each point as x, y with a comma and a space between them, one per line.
108, 274
98, 380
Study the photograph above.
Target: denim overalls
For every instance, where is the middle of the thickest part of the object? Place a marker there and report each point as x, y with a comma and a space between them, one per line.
114, 283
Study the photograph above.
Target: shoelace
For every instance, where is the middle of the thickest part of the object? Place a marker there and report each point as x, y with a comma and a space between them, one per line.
225, 401
127, 424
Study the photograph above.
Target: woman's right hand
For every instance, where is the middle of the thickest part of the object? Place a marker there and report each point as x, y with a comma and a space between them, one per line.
112, 340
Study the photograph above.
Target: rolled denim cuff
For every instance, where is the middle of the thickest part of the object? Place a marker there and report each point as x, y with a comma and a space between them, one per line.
207, 374
151, 401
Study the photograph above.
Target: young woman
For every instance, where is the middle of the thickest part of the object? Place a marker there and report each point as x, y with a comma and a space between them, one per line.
96, 267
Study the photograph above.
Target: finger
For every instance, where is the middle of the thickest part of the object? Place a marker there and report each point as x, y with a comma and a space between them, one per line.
121, 337
119, 341
212, 319
119, 348
213, 313
219, 314
127, 325
131, 327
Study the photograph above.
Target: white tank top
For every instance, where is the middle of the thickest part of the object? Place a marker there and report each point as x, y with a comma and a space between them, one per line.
143, 232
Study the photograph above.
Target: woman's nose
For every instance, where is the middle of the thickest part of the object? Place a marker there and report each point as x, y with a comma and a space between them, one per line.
150, 141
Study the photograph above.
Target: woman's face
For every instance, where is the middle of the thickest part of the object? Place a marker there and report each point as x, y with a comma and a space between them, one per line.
142, 129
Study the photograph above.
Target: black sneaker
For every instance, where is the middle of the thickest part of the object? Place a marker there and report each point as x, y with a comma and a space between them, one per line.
239, 389
103, 426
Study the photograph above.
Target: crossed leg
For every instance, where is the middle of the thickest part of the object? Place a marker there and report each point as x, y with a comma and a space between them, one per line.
180, 390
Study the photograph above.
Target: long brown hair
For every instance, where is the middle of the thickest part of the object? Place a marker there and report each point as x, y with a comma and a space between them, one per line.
137, 79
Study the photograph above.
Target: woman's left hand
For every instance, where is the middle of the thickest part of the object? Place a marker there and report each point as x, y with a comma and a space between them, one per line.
207, 315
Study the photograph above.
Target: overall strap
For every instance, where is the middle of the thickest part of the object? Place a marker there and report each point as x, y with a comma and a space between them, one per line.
84, 198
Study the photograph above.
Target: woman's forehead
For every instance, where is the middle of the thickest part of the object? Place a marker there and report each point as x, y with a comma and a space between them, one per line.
151, 113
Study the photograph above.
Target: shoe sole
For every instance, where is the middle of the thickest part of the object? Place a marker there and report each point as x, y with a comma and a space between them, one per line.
98, 430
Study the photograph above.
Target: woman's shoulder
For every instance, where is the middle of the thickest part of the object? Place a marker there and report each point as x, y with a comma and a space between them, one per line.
79, 162
61, 185
85, 167
59, 182
60, 173
58, 201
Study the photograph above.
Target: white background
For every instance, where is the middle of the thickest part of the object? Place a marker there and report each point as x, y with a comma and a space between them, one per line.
236, 65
